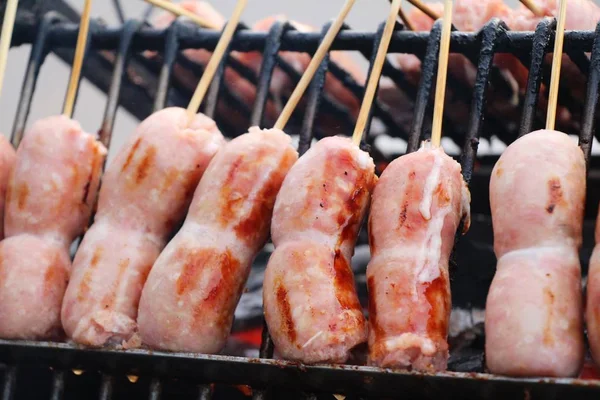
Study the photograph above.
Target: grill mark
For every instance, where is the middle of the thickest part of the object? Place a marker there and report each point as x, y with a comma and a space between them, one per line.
230, 205
555, 193
109, 299
259, 218
344, 283
143, 168
436, 295
549, 301
375, 326
134, 149
84, 287
94, 172
196, 261
404, 209
22, 195
286, 313
51, 275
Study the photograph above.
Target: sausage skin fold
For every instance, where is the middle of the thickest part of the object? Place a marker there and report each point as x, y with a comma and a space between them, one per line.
145, 193
49, 200
310, 301
418, 205
189, 300
534, 316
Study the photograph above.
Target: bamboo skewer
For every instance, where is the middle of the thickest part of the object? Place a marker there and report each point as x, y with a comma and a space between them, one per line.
405, 20
319, 55
440, 86
365, 107
182, 12
537, 11
6, 36
215, 59
78, 59
556, 64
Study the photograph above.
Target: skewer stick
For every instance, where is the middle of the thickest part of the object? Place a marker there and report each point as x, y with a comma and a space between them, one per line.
537, 11
182, 12
556, 64
78, 58
215, 59
440, 86
425, 9
365, 107
405, 20
6, 35
319, 55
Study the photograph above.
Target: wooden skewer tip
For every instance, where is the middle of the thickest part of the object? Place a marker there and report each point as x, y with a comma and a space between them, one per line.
215, 59
556, 65
313, 66
373, 81
8, 24
78, 59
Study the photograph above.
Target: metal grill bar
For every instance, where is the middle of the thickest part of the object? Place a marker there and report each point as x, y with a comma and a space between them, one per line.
428, 68
112, 102
155, 389
591, 101
10, 383
58, 385
266, 71
39, 51
315, 91
212, 97
106, 387
489, 37
169, 56
541, 41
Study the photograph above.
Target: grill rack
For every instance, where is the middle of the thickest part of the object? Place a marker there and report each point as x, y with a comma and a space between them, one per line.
54, 33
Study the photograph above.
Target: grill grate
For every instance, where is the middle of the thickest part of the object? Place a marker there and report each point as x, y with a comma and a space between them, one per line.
53, 32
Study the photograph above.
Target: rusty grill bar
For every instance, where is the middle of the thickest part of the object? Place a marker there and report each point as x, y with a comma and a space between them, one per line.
54, 32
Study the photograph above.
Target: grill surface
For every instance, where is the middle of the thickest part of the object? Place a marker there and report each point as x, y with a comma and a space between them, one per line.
115, 65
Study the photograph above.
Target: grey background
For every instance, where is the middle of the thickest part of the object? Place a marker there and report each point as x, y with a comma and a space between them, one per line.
366, 15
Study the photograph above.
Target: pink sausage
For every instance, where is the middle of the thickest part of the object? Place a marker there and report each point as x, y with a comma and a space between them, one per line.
418, 204
7, 161
592, 309
49, 201
190, 297
145, 193
310, 301
534, 318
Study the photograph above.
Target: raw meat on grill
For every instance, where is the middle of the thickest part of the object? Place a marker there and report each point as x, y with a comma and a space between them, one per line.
7, 161
310, 301
49, 201
418, 204
145, 193
534, 307
191, 293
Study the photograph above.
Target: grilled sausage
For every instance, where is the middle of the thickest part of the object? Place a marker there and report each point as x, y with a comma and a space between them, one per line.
418, 204
592, 308
192, 291
146, 191
49, 200
7, 161
310, 301
534, 312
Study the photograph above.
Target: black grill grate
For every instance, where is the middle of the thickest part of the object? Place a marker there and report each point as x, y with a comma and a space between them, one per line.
54, 33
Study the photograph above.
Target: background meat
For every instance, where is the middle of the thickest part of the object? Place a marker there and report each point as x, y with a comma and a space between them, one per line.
49, 200
145, 194
418, 204
7, 161
192, 291
309, 298
534, 311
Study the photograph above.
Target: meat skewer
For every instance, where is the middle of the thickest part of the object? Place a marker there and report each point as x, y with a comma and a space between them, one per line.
145, 195
534, 322
7, 152
49, 200
310, 301
418, 204
190, 297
